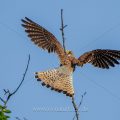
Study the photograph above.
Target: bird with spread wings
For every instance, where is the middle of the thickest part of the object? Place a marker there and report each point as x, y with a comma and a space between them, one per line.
60, 79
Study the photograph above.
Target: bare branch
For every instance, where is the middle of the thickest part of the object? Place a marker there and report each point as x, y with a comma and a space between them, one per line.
2, 100
23, 76
63, 39
11, 94
62, 30
80, 102
75, 107
17, 118
82, 99
6, 91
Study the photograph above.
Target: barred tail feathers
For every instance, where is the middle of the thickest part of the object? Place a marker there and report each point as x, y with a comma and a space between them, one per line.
59, 79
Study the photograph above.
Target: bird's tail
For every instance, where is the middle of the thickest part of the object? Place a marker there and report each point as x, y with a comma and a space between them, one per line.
59, 79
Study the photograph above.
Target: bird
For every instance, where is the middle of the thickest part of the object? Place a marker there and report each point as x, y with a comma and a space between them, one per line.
60, 79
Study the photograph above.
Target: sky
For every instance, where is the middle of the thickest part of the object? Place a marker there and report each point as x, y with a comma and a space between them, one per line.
92, 24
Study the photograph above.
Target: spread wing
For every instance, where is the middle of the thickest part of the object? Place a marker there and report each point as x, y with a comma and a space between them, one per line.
100, 58
43, 38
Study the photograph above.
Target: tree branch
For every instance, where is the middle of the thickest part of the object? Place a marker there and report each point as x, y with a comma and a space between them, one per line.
62, 30
75, 107
2, 100
80, 103
63, 39
8, 93
82, 99
17, 118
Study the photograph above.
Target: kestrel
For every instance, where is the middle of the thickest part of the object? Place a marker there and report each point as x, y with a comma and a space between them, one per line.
60, 79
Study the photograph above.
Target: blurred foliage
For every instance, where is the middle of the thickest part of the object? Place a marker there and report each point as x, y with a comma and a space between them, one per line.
4, 113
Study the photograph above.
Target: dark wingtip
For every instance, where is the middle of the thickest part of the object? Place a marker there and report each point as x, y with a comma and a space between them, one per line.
47, 86
38, 79
36, 76
71, 95
116, 62
23, 25
64, 92
27, 18
43, 84
23, 20
107, 68
52, 88
113, 65
59, 91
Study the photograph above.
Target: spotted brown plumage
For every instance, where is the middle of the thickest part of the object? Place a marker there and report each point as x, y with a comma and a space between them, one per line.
60, 79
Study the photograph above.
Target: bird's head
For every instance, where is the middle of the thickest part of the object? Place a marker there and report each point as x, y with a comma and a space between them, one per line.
69, 53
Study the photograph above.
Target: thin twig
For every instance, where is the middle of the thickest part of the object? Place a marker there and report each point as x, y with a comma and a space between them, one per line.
23, 76
62, 30
11, 94
80, 103
82, 99
2, 100
17, 118
75, 107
